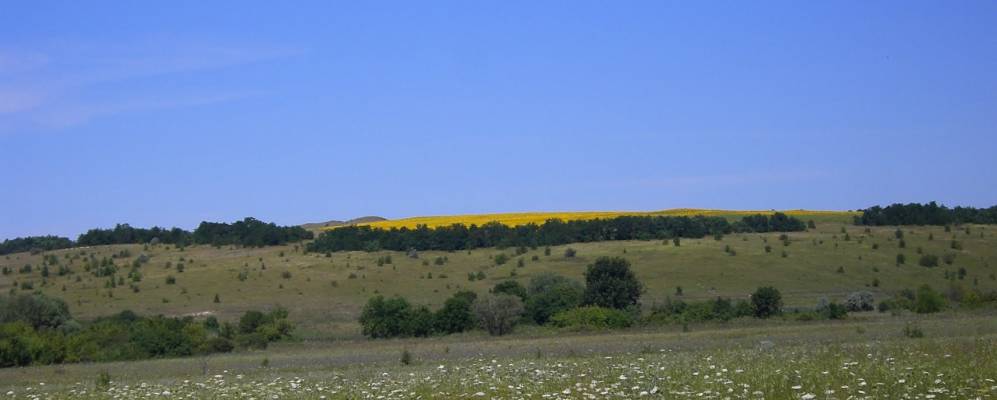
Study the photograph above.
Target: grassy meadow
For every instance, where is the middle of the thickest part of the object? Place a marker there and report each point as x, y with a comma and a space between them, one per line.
865, 356
325, 294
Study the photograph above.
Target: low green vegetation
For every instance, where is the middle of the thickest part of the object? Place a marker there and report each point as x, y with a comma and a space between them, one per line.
36, 329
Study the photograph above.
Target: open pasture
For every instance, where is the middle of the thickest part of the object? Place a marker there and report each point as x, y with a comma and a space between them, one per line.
325, 293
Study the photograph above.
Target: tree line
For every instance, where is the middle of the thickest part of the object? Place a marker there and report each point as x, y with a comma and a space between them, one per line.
608, 299
38, 330
925, 214
34, 244
249, 232
551, 233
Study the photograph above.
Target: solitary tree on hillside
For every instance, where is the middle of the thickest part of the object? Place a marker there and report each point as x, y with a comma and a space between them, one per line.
610, 283
766, 302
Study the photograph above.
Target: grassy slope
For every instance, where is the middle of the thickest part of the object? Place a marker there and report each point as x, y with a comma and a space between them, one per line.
865, 355
326, 310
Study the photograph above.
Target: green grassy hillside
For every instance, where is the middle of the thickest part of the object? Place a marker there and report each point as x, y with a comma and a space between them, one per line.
325, 294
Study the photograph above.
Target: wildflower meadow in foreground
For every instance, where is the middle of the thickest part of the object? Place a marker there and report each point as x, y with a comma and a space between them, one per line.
953, 371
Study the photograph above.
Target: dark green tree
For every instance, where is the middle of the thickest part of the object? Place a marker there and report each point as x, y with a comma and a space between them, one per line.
610, 283
766, 302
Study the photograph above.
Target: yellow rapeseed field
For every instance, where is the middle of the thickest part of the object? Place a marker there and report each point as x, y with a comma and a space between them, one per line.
515, 219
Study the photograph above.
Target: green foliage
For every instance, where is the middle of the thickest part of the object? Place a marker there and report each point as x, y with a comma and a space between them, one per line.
501, 259
249, 232
34, 244
125, 234
510, 287
928, 260
719, 309
396, 317
609, 282
36, 310
926, 214
831, 310
455, 316
928, 300
592, 318
127, 336
498, 313
549, 294
766, 302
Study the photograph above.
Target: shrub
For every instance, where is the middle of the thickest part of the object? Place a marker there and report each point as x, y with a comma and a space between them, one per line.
570, 253
928, 260
383, 318
170, 280
901, 259
948, 258
831, 310
498, 313
610, 283
510, 287
501, 259
722, 309
37, 310
456, 315
928, 300
766, 302
418, 322
549, 294
592, 318
860, 301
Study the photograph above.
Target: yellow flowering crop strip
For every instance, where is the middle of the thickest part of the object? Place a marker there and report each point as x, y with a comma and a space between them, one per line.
516, 219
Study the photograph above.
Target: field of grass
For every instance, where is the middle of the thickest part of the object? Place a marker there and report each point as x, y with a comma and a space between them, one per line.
515, 219
325, 294
866, 356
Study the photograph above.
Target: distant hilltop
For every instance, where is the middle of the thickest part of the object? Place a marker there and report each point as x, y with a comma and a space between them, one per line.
334, 223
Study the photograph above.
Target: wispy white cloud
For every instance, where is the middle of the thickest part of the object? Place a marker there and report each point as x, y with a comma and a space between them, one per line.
75, 114
62, 85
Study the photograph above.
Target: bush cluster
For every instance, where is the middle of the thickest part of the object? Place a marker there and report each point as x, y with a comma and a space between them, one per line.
37, 330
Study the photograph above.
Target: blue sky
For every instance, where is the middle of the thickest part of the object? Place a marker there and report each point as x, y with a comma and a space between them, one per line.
170, 113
